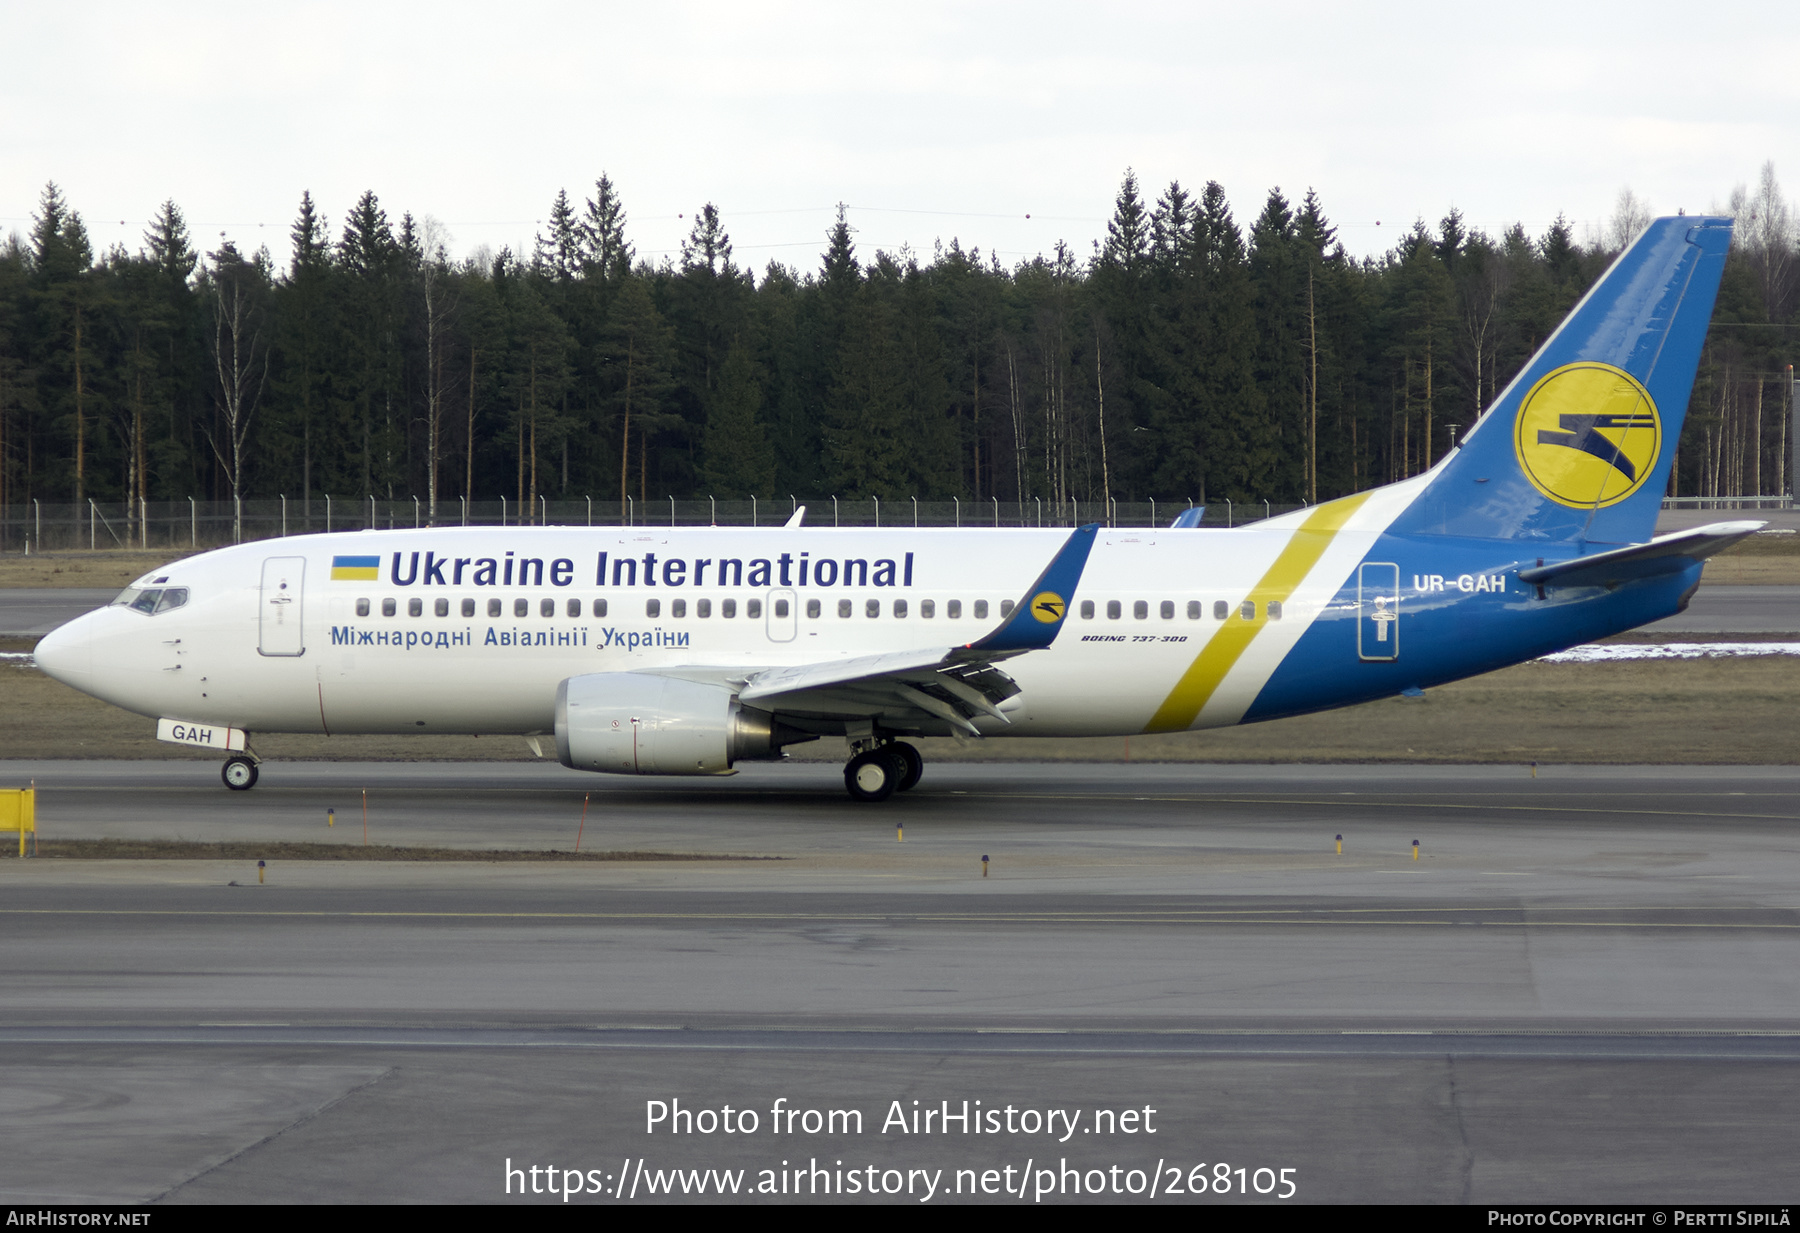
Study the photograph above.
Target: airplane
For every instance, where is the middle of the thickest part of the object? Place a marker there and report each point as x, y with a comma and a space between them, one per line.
685, 651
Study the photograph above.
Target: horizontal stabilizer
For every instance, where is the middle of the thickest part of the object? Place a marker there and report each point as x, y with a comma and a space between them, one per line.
1668, 554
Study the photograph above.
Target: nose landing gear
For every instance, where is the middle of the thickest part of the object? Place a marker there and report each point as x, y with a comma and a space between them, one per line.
239, 773
877, 772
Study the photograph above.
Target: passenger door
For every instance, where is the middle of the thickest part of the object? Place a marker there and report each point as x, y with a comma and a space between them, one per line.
283, 584
1378, 612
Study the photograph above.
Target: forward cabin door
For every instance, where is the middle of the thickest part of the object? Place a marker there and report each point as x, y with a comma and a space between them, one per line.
1378, 612
283, 584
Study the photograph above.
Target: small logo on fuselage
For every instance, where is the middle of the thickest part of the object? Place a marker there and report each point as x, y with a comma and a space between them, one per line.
1588, 435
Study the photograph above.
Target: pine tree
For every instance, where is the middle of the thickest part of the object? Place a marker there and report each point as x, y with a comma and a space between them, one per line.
604, 250
739, 461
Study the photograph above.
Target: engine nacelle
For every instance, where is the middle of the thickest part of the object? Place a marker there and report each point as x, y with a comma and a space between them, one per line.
631, 723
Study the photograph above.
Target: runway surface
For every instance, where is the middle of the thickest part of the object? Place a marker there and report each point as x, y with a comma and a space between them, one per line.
1585, 989
33, 612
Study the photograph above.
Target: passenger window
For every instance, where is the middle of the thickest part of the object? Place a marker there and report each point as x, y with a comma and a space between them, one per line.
703, 607
653, 607
388, 607
1168, 610
1006, 607
812, 609
872, 607
1113, 610
1221, 610
927, 608
1087, 609
493, 607
521, 607
843, 607
678, 607
728, 608
442, 607
1248, 611
781, 607
547, 608
599, 607
1193, 610
953, 610
1141, 610
362, 607
899, 608
574, 607
753, 608
415, 607
468, 607
981, 610
1274, 610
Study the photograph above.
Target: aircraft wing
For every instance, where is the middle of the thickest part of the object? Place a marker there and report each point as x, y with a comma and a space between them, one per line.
952, 685
1667, 554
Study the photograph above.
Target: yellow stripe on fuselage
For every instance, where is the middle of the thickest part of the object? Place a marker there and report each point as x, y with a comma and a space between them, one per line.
1228, 644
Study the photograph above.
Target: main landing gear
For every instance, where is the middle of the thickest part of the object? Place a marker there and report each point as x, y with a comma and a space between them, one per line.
239, 773
879, 771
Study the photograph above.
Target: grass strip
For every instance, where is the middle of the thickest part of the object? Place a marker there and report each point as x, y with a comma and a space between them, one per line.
173, 849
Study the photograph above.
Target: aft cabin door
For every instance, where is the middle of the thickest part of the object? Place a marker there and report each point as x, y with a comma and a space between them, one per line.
283, 583
1378, 612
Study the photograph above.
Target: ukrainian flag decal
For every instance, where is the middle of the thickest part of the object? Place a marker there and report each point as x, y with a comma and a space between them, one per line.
355, 569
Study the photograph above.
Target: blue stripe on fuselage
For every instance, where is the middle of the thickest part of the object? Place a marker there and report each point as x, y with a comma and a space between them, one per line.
1446, 635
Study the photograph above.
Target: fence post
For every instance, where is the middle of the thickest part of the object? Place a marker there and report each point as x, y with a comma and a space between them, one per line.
143, 522
1152, 511
996, 511
284, 515
713, 504
590, 502
915, 513
503, 509
544, 510
328, 513
37, 507
465, 509
237, 520
877, 501
834, 511
415, 513
671, 509
958, 501
1040, 509
753, 509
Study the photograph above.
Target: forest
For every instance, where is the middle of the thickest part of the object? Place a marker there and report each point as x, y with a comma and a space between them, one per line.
1188, 357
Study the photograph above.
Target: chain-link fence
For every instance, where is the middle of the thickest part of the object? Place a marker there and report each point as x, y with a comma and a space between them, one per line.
46, 527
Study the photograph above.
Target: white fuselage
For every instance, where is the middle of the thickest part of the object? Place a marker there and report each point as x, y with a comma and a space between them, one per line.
269, 640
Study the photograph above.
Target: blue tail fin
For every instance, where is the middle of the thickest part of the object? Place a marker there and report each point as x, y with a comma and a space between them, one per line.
1578, 447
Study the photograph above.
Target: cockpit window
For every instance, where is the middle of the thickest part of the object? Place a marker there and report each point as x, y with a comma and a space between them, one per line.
151, 600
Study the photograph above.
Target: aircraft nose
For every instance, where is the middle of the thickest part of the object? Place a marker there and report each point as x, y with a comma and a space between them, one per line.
66, 653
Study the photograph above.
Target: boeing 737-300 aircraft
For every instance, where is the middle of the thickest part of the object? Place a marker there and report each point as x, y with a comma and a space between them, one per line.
684, 651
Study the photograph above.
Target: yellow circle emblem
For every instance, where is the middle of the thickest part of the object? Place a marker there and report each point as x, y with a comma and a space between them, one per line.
1048, 607
1588, 435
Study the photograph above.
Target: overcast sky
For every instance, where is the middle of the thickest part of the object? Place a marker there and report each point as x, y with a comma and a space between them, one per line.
929, 120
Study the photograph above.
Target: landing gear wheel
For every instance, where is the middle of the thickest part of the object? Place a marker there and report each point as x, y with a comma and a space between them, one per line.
873, 776
914, 765
239, 774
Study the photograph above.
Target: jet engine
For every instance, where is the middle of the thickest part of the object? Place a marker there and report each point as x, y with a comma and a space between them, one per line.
631, 723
